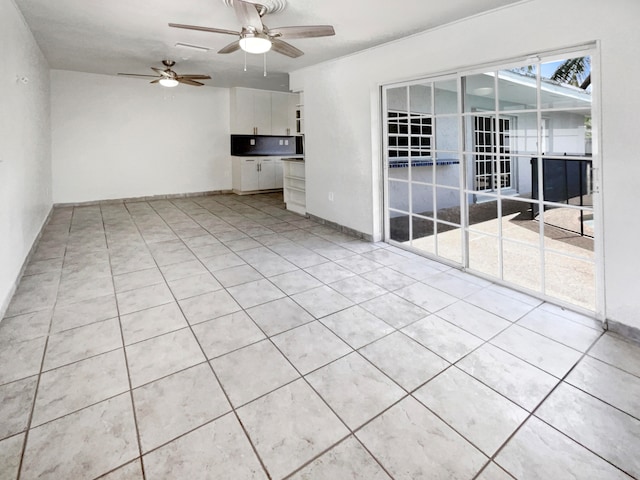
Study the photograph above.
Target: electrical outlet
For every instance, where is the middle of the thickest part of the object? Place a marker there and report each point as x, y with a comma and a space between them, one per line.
331, 196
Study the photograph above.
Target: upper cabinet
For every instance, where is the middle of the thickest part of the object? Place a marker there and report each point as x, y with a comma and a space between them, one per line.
280, 114
260, 112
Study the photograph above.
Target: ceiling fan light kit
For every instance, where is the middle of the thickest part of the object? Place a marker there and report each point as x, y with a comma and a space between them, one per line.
255, 43
168, 82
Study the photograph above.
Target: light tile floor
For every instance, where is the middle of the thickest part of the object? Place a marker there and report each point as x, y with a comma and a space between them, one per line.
224, 337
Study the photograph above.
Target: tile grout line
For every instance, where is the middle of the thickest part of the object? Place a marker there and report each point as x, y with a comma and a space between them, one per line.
233, 409
303, 377
533, 414
44, 353
126, 356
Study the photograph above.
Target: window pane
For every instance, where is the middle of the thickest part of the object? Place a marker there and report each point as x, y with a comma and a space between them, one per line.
398, 169
420, 98
449, 242
568, 132
566, 83
483, 254
399, 195
517, 88
479, 92
521, 265
570, 279
422, 199
483, 214
423, 238
566, 181
523, 182
446, 93
448, 170
422, 171
519, 222
398, 227
447, 133
448, 204
523, 133
397, 99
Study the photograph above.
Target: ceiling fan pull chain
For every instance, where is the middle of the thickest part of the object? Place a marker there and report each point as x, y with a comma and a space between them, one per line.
245, 61
265, 64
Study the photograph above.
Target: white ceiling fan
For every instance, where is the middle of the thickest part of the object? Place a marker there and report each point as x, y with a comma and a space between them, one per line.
256, 37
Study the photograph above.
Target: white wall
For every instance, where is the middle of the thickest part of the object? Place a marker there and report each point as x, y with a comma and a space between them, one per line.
342, 104
25, 145
115, 137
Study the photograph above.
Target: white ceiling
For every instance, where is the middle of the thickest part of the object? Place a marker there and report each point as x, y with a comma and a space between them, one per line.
110, 36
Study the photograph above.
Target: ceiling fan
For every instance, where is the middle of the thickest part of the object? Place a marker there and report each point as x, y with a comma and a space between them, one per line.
169, 78
256, 37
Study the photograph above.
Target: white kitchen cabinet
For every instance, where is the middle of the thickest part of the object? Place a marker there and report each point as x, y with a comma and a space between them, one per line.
248, 177
254, 174
261, 112
283, 113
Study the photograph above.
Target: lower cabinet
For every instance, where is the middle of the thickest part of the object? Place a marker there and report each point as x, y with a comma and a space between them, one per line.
254, 174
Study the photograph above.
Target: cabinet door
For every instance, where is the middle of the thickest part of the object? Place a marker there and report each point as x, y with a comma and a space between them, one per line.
280, 114
278, 173
267, 177
262, 112
242, 111
249, 174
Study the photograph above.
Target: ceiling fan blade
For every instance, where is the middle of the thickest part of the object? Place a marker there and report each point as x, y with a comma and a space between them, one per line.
204, 29
285, 48
195, 77
232, 47
186, 81
248, 15
136, 75
309, 31
161, 72
155, 81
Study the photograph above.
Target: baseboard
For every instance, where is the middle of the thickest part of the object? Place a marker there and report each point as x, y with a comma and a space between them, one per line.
148, 198
341, 228
16, 282
627, 331
256, 192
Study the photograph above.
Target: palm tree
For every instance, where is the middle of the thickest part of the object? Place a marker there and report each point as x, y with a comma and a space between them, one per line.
574, 71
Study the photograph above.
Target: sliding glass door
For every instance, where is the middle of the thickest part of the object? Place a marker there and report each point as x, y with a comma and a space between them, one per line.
493, 171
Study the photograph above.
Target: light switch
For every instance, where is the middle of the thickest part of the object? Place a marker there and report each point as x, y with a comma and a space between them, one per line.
286, 142
281, 142
252, 141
